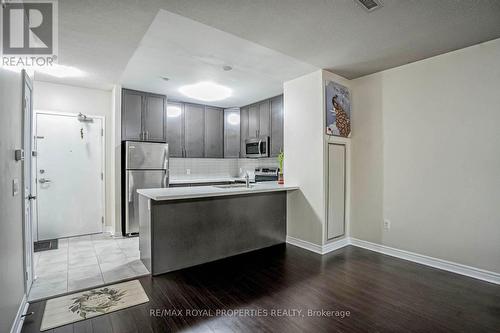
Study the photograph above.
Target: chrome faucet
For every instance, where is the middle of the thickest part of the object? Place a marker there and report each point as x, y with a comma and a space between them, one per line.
247, 179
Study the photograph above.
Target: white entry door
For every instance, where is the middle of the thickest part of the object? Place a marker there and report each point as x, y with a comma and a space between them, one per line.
69, 175
28, 178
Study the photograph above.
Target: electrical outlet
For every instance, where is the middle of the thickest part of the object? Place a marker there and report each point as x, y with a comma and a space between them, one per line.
387, 224
188, 171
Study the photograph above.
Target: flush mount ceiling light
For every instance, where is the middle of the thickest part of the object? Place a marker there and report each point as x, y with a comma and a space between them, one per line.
206, 91
60, 71
233, 119
173, 111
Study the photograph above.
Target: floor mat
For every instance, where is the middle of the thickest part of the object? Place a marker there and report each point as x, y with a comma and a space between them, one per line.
91, 303
45, 245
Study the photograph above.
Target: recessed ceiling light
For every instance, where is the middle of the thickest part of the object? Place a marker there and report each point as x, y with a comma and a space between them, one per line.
164, 78
227, 68
173, 111
206, 91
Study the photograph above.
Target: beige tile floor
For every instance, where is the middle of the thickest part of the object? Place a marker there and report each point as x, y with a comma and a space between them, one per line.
83, 262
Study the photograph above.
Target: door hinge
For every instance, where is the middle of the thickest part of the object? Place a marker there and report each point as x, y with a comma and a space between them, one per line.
102, 219
102, 131
102, 176
33, 153
26, 276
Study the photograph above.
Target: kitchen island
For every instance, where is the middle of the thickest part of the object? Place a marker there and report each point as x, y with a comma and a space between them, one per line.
186, 226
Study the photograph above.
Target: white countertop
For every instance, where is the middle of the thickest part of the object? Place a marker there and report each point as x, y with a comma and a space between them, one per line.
189, 180
173, 193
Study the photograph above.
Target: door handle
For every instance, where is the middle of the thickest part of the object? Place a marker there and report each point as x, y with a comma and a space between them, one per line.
31, 197
43, 180
130, 188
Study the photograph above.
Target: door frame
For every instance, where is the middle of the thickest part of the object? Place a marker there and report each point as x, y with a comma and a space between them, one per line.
103, 156
27, 127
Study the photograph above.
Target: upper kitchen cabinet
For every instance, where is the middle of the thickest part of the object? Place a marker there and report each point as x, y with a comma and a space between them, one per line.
175, 129
132, 102
253, 120
155, 117
244, 133
143, 116
214, 132
264, 118
277, 121
232, 120
194, 127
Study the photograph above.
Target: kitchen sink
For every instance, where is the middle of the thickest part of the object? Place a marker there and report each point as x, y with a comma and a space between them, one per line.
233, 186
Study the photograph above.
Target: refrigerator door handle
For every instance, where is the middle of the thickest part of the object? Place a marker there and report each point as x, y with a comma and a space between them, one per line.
130, 187
165, 158
164, 181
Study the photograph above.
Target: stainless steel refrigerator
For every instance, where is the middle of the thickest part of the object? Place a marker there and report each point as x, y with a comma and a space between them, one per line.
145, 166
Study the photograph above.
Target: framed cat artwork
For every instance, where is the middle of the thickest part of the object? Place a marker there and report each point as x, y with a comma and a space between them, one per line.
338, 109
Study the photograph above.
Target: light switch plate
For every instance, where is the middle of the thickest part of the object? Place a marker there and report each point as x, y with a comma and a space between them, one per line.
15, 186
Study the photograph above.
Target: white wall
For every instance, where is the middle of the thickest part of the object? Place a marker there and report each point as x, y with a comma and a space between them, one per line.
72, 99
426, 139
306, 154
11, 211
303, 149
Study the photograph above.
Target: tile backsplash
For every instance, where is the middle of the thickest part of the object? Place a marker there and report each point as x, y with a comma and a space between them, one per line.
196, 168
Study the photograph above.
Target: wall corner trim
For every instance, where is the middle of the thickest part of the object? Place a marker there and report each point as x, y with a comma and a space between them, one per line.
17, 325
445, 265
320, 249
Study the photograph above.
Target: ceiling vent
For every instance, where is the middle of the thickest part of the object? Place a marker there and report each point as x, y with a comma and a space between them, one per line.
370, 5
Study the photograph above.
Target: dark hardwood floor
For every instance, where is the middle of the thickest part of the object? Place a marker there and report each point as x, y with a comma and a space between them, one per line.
381, 294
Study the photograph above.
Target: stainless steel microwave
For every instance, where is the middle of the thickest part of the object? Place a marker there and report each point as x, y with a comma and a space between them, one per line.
257, 147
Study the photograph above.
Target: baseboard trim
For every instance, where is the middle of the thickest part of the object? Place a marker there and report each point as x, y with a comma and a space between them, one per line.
449, 266
17, 325
445, 265
335, 245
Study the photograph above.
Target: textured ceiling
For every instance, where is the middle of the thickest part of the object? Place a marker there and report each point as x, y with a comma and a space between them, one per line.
187, 52
341, 36
101, 36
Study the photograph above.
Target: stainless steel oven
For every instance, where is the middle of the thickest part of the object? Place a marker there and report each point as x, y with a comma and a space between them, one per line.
257, 147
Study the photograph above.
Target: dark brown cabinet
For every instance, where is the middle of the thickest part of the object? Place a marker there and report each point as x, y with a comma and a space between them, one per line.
276, 107
214, 132
264, 118
195, 130
143, 116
